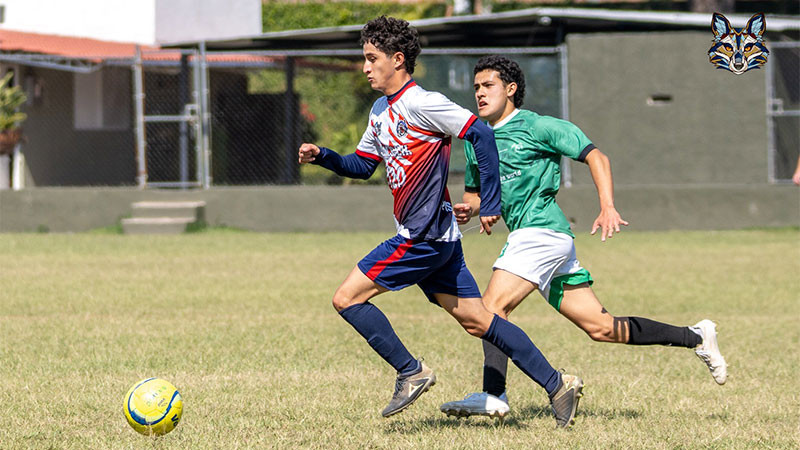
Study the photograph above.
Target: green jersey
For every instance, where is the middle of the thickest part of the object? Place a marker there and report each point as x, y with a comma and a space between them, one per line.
530, 148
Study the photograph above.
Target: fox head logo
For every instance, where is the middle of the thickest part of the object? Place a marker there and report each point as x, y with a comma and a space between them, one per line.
738, 50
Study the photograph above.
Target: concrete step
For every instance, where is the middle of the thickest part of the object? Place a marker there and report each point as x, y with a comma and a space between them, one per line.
156, 225
184, 209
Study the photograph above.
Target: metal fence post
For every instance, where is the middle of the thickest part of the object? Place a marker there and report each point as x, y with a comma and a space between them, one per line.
205, 116
198, 123
770, 91
183, 132
566, 168
138, 101
290, 123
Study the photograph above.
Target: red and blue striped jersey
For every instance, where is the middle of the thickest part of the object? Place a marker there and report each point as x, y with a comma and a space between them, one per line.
411, 131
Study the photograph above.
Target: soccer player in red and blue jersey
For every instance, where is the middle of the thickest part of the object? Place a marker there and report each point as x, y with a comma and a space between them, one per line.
410, 129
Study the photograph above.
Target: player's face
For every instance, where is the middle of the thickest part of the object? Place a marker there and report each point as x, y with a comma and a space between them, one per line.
495, 99
379, 68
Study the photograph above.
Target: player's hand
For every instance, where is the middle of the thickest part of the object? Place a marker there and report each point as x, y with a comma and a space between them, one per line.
608, 222
307, 153
487, 222
463, 212
796, 178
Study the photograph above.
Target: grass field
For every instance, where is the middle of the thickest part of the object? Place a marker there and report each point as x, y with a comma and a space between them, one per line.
242, 324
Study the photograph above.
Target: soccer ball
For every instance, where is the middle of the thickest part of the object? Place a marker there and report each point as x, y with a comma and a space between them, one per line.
153, 407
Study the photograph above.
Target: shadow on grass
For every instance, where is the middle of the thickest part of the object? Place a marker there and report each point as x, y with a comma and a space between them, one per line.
533, 411
445, 422
516, 420
610, 414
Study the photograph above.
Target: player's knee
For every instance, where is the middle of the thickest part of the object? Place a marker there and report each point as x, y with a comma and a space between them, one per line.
475, 324
341, 301
474, 328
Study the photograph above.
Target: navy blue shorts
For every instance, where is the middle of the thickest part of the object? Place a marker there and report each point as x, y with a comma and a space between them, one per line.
436, 267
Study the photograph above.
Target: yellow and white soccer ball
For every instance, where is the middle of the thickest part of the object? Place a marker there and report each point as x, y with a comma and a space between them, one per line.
153, 407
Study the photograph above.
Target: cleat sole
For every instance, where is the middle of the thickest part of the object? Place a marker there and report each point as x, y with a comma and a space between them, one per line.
464, 413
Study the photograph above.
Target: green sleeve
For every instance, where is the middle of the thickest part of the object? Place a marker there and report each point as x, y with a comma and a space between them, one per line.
566, 138
472, 180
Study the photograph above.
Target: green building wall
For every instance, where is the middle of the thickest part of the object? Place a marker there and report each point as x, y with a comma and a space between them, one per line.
663, 113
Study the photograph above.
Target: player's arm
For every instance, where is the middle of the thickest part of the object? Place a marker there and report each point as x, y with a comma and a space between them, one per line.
469, 207
609, 220
471, 201
567, 139
355, 165
482, 139
796, 176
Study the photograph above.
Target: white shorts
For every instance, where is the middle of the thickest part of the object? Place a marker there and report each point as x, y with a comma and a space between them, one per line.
543, 257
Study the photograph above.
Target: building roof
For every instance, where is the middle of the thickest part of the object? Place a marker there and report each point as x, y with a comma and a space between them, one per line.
73, 47
83, 54
526, 27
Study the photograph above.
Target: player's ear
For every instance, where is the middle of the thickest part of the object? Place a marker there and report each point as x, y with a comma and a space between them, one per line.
398, 60
511, 89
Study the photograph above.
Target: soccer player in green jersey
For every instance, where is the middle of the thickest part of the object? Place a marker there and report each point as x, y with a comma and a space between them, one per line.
540, 254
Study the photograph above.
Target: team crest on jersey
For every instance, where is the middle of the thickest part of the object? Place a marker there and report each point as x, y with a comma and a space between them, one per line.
402, 128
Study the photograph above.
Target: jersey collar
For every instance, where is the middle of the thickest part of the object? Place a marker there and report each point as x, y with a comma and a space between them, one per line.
396, 96
505, 121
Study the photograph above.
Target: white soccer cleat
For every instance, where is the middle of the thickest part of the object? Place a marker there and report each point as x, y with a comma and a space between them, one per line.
478, 404
708, 350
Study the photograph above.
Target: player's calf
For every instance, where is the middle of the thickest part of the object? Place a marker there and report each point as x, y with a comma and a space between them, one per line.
608, 329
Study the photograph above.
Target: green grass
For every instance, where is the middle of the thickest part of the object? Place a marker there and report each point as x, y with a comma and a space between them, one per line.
242, 324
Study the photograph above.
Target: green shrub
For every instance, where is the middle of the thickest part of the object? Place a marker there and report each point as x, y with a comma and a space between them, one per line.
318, 14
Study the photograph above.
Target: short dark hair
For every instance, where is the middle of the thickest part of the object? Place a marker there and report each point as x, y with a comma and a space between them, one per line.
509, 71
392, 35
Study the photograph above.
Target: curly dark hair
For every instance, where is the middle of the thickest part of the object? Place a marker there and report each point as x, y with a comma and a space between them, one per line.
392, 35
509, 71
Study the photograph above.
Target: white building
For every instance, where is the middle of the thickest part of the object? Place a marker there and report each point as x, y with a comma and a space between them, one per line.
148, 22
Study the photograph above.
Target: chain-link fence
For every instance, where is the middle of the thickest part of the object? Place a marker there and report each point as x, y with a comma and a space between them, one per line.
125, 120
169, 119
224, 134
783, 109
181, 119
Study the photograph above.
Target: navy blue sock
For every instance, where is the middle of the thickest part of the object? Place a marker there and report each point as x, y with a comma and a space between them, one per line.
512, 341
370, 323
